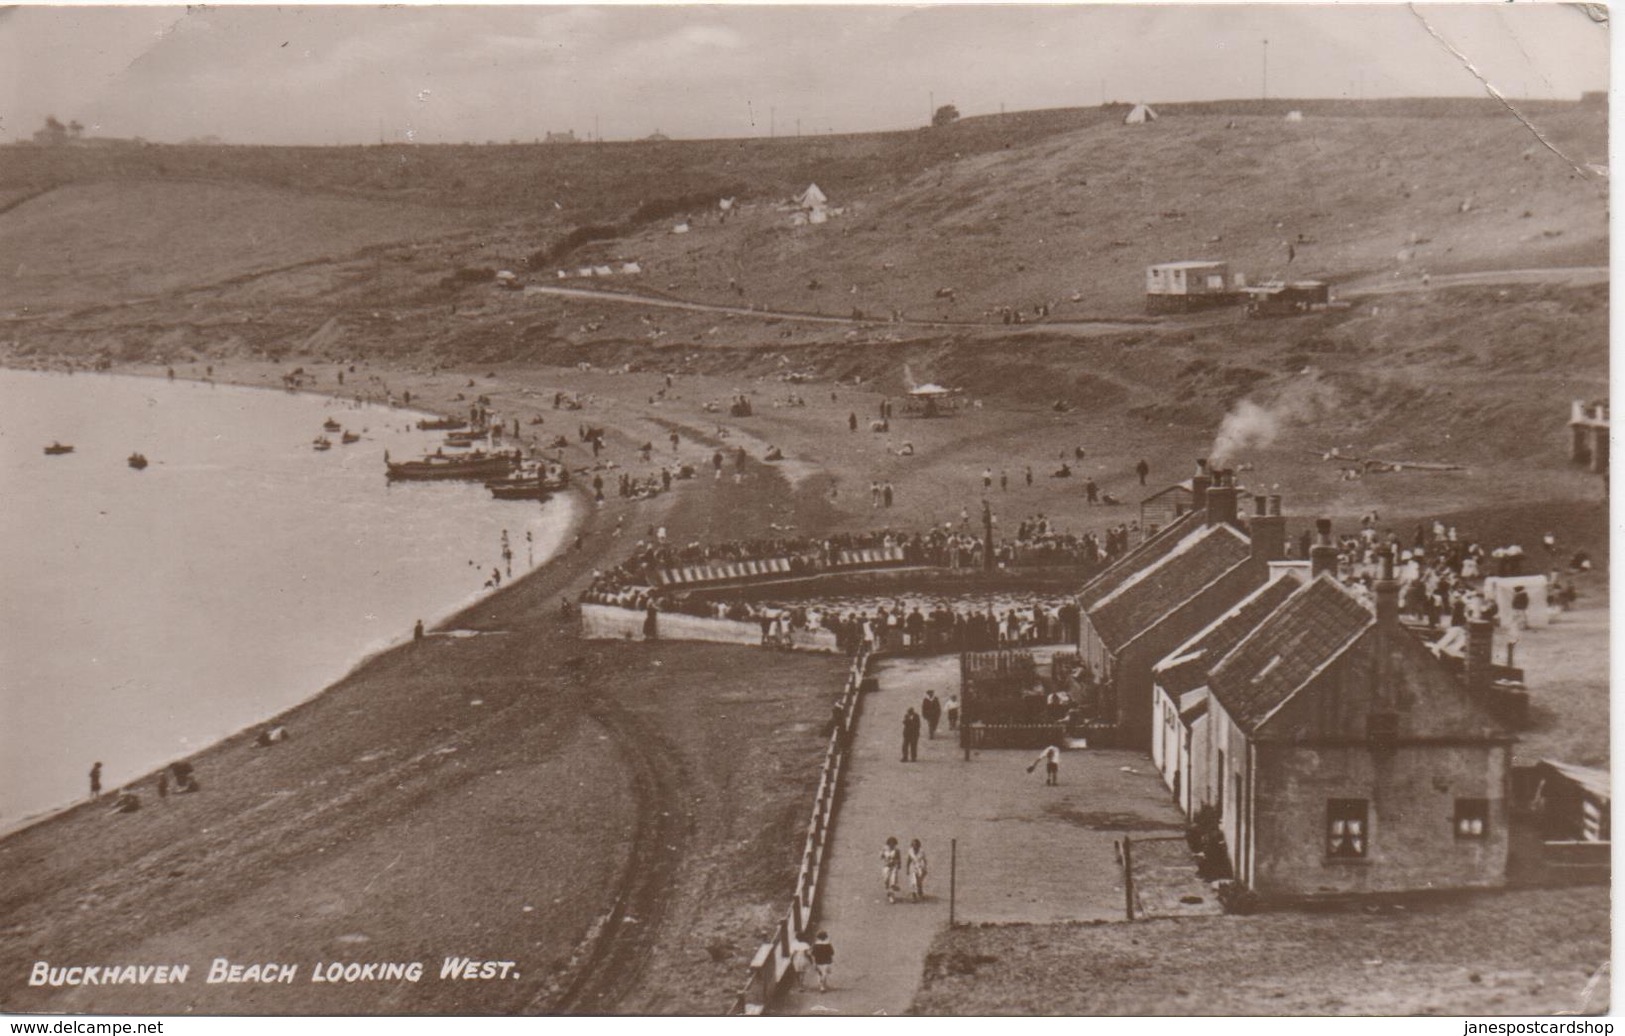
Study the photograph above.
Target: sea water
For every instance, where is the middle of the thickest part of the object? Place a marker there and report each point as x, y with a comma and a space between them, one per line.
145, 614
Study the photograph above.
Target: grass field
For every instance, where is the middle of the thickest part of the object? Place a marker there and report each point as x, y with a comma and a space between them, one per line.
1517, 953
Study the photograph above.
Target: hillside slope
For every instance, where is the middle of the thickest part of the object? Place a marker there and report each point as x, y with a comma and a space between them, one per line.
1083, 213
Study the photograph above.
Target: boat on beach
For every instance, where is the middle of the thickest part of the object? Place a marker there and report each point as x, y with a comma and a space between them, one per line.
330, 425
477, 466
349, 437
322, 443
137, 461
57, 449
529, 482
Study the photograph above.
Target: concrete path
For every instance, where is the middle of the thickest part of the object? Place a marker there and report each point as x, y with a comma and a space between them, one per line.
1026, 852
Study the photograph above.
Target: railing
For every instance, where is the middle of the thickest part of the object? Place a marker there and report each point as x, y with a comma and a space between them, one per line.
1012, 735
771, 964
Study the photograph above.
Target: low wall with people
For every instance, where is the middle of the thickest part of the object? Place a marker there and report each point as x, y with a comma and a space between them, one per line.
770, 968
607, 622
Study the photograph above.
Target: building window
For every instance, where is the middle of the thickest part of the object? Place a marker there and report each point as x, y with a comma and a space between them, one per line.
1346, 828
1472, 818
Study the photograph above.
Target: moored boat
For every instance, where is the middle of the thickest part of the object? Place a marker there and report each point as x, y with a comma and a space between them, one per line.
441, 424
473, 467
322, 443
349, 437
137, 461
57, 449
330, 425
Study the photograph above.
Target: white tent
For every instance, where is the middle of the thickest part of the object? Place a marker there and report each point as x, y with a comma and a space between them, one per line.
1294, 116
812, 198
631, 267
1141, 113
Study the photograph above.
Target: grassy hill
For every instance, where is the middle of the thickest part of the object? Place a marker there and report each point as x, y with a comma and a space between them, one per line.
330, 253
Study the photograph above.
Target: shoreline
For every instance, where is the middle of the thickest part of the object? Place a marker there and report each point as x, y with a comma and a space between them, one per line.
577, 517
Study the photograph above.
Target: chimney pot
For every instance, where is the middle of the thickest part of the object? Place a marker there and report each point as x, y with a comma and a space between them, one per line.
1261, 506
1323, 556
1275, 504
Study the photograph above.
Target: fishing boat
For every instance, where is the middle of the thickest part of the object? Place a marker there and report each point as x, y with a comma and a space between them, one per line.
322, 443
441, 424
474, 467
466, 438
331, 425
137, 461
57, 449
349, 437
530, 482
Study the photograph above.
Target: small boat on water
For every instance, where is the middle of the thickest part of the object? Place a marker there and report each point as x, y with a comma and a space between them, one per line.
331, 425
530, 482
441, 424
473, 467
322, 443
57, 449
349, 437
137, 461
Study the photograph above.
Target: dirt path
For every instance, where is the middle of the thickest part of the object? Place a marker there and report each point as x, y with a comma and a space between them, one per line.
624, 298
1567, 276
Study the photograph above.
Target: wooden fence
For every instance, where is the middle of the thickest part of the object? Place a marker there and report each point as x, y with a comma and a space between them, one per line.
771, 965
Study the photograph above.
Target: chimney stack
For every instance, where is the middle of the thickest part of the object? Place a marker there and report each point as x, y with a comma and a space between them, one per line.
1387, 589
1199, 485
1267, 531
1221, 499
1479, 661
1322, 556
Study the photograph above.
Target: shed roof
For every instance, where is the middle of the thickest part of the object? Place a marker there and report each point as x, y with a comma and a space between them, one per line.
1147, 552
1150, 594
1186, 667
1294, 643
1594, 781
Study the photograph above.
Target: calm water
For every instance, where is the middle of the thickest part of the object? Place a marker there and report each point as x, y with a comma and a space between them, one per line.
146, 614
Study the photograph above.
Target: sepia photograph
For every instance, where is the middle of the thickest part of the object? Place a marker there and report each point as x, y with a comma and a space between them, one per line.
1090, 510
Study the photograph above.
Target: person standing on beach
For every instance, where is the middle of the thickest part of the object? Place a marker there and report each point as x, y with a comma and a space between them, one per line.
911, 736
96, 780
417, 631
953, 712
891, 865
823, 957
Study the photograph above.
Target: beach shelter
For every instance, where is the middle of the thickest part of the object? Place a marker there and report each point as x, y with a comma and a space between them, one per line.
1294, 116
1140, 114
812, 198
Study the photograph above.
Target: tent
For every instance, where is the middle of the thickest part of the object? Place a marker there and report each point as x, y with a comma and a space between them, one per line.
631, 267
1294, 116
812, 198
1141, 113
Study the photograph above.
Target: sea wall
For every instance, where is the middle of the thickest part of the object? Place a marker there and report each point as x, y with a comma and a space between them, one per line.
607, 622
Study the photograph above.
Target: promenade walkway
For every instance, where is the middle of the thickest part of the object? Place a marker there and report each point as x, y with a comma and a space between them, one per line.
1027, 852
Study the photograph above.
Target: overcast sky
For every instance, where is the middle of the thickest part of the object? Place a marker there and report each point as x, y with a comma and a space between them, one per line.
324, 75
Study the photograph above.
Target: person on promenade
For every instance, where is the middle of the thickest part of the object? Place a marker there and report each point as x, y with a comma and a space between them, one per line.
823, 957
917, 868
96, 780
1051, 758
953, 712
931, 710
800, 958
911, 736
891, 865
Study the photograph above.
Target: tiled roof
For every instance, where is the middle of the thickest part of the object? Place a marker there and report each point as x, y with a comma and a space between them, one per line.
1186, 667
1142, 555
1299, 639
1150, 594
